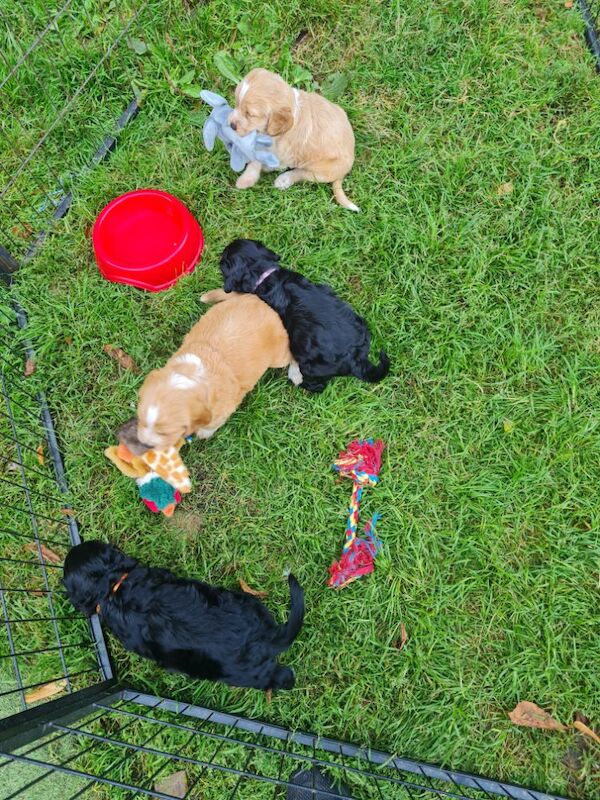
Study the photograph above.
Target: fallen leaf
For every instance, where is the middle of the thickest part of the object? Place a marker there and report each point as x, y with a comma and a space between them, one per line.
68, 512
531, 716
269, 694
121, 356
254, 592
587, 731
508, 426
568, 3
47, 690
399, 643
175, 785
40, 454
47, 554
504, 189
29, 367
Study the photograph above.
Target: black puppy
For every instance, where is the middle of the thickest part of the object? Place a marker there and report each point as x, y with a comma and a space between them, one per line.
327, 337
183, 625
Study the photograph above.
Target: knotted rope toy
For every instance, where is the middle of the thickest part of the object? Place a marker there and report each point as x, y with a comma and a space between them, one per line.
161, 475
242, 149
361, 462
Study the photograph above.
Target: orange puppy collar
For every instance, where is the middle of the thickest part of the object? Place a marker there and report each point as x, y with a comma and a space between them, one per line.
115, 588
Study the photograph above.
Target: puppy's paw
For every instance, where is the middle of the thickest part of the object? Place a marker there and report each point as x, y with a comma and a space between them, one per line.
294, 374
283, 181
246, 181
214, 296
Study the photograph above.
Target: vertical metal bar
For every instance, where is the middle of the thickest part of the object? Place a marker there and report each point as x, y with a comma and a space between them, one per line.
11, 645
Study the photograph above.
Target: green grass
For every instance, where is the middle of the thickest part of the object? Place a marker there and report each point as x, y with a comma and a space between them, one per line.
487, 304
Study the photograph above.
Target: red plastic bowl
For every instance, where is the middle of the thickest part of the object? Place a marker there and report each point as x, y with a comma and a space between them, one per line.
147, 239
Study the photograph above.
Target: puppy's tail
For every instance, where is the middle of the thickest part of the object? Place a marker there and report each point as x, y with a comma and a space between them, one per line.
340, 196
373, 372
290, 629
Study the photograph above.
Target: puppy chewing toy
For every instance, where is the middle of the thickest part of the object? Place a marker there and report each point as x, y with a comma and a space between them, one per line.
242, 149
361, 462
161, 475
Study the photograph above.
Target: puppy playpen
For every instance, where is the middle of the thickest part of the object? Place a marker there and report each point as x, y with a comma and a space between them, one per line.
68, 727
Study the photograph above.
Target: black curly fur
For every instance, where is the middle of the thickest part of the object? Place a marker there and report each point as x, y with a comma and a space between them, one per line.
184, 625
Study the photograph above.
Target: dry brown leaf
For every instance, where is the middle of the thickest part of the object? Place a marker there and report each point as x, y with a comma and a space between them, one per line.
403, 637
47, 554
269, 694
45, 691
68, 512
254, 592
504, 189
40, 454
175, 785
568, 3
121, 356
29, 367
587, 731
531, 716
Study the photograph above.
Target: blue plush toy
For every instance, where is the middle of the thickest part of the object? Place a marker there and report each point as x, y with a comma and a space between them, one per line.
242, 149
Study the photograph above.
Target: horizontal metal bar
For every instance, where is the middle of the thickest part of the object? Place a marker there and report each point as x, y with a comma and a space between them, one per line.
37, 492
49, 680
30, 538
34, 591
47, 564
35, 514
42, 619
48, 649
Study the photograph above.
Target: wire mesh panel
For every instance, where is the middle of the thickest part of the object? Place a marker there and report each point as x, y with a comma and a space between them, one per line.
45, 648
65, 71
129, 746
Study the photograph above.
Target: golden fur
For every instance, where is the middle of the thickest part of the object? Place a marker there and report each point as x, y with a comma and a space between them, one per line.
311, 136
220, 360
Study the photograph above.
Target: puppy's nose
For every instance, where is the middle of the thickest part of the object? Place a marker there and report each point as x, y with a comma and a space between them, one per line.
233, 125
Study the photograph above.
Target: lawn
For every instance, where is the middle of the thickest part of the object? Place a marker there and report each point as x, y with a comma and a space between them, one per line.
475, 261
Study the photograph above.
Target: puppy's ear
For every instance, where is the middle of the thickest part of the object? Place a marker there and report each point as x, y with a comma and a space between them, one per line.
200, 415
280, 121
232, 269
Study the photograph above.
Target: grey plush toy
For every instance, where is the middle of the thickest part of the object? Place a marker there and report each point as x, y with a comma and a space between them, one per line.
242, 149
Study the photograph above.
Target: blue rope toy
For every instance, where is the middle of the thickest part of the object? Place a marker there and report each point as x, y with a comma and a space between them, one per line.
241, 149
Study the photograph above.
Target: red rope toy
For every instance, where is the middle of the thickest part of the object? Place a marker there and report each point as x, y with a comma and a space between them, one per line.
361, 462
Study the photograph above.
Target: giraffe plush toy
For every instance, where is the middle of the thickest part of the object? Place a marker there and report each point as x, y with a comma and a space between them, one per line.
161, 475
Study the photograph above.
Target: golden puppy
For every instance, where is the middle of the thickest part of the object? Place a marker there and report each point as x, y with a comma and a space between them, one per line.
219, 361
311, 136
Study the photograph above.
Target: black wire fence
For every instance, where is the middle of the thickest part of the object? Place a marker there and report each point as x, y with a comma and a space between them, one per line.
68, 728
